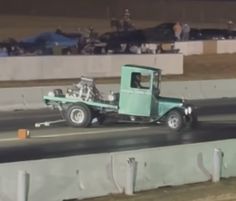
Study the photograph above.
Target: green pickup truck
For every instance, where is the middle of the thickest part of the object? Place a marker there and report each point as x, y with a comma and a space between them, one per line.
138, 100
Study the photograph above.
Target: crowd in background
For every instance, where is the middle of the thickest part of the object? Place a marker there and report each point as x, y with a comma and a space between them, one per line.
88, 41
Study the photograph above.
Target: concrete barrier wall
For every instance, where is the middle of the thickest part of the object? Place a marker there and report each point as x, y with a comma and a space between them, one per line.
200, 89
190, 47
226, 46
31, 97
23, 98
55, 67
94, 175
206, 47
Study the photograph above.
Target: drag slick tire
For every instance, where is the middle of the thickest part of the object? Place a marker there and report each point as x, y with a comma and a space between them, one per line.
175, 120
78, 115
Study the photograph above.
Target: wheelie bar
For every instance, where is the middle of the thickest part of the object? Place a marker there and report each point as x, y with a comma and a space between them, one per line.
48, 123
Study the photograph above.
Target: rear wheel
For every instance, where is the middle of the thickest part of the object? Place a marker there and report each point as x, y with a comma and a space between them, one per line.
78, 115
175, 120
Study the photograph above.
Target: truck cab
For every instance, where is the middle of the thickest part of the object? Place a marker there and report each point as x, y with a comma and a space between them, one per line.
144, 99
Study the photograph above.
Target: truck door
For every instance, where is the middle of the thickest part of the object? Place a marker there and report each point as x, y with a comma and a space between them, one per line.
136, 95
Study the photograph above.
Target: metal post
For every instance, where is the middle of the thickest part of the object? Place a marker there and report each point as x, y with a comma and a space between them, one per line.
130, 176
22, 186
217, 164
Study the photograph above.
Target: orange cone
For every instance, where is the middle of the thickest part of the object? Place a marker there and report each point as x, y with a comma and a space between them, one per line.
23, 133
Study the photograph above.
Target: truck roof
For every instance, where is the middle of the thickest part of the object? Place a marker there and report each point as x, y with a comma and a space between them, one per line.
142, 67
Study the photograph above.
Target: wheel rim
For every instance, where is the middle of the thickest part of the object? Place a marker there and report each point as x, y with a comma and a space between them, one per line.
173, 121
77, 116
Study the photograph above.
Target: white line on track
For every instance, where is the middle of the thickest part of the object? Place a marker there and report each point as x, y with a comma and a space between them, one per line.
8, 139
89, 132
75, 133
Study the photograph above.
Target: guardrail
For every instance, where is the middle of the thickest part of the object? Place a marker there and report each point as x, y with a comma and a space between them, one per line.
86, 176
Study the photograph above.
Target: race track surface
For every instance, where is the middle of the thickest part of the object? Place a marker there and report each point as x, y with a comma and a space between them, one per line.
217, 121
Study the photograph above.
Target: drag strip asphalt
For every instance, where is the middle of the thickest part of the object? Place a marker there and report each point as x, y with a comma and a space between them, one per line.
60, 140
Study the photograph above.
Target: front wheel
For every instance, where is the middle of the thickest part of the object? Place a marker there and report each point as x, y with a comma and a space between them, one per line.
175, 120
78, 115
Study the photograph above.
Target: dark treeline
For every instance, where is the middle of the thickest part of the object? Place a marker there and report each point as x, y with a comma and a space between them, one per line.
161, 10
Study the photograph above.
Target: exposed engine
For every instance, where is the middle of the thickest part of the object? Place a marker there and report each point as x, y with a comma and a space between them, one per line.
85, 90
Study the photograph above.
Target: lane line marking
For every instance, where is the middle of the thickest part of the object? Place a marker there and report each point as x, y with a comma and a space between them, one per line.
73, 134
8, 139
88, 132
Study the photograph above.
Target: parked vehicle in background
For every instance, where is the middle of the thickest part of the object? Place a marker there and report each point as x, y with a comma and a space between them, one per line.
162, 33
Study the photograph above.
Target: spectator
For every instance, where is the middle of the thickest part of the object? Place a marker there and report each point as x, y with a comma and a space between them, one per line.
58, 31
134, 48
3, 52
127, 13
116, 25
93, 36
230, 25
185, 32
177, 28
159, 48
126, 22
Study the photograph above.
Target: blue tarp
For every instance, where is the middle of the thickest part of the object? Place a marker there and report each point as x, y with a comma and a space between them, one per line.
50, 39
3, 54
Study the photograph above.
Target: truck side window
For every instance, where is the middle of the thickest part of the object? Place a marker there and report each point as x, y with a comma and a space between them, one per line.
136, 80
140, 81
